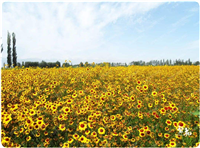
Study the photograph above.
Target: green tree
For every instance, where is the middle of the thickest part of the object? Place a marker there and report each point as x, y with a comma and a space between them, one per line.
86, 64
1, 48
9, 62
14, 53
81, 64
23, 64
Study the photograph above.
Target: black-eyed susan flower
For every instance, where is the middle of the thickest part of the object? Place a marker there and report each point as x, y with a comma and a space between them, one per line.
36, 126
197, 144
37, 134
28, 138
166, 128
65, 145
132, 98
148, 132
145, 87
90, 118
154, 93
6, 139
132, 139
112, 117
181, 124
70, 140
172, 144
47, 140
66, 109
69, 101
82, 125
141, 134
46, 133
60, 117
62, 127
101, 130
82, 139
75, 136
94, 134
115, 134
150, 105
130, 128
168, 122
139, 82
74, 95
125, 137
21, 130
178, 136
166, 135
175, 124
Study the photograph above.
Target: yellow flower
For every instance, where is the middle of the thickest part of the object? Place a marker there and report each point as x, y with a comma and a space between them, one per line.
125, 137
132, 139
172, 144
101, 130
145, 87
75, 136
28, 138
93, 134
166, 135
62, 127
70, 140
113, 117
168, 122
82, 139
65, 145
181, 124
87, 132
82, 125
66, 109
154, 93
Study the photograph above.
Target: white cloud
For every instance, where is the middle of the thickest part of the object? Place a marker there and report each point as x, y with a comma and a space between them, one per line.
63, 30
182, 21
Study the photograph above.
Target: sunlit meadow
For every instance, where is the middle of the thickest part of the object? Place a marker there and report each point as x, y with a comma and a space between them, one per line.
146, 106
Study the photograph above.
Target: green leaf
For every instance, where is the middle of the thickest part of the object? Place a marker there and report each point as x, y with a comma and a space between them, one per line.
196, 113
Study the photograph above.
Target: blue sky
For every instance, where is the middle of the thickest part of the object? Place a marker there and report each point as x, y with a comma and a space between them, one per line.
103, 32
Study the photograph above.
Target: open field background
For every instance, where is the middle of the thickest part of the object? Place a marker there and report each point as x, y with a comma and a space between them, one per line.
100, 106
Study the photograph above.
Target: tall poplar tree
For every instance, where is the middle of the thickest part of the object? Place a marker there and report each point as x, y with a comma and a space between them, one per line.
1, 48
14, 50
9, 62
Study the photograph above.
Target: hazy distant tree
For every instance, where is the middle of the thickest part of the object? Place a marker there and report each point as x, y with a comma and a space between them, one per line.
196, 63
58, 64
189, 62
81, 64
66, 65
86, 64
167, 62
9, 62
18, 64
14, 53
43, 64
23, 64
182, 62
1, 48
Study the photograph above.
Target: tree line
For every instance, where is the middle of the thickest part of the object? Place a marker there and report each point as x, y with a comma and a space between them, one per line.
44, 64
57, 64
164, 62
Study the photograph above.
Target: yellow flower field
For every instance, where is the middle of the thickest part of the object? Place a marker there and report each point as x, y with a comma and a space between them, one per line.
146, 106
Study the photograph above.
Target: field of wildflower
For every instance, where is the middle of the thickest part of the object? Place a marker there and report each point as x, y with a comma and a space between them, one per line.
146, 106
